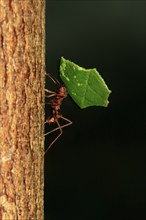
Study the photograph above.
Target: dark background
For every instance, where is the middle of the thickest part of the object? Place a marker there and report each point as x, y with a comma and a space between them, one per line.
96, 170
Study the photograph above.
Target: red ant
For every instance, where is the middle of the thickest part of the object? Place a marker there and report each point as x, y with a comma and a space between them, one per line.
55, 104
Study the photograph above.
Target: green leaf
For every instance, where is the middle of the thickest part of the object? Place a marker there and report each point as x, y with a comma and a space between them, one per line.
85, 86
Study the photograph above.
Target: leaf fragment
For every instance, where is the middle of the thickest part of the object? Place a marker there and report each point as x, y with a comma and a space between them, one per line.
85, 86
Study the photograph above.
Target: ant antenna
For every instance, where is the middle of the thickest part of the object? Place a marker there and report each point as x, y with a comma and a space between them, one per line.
53, 78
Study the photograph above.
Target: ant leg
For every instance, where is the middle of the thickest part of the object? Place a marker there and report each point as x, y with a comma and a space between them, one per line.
49, 91
60, 128
66, 119
55, 129
48, 96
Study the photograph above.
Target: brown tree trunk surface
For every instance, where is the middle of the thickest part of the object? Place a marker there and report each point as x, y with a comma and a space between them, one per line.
21, 109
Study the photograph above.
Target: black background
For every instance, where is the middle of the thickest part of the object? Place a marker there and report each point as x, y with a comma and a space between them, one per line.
96, 170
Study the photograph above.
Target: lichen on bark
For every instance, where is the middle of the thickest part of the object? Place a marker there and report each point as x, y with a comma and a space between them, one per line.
21, 109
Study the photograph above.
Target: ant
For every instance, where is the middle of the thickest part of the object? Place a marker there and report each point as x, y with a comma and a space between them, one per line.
55, 104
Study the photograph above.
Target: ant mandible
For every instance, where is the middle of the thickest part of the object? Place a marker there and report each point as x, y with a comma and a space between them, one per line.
55, 104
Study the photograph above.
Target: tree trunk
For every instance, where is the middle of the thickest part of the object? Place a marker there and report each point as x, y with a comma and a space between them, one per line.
21, 109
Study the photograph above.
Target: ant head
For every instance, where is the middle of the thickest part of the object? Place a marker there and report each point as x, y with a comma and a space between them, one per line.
62, 90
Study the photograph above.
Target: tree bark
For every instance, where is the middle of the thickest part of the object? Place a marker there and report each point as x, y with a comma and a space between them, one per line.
21, 109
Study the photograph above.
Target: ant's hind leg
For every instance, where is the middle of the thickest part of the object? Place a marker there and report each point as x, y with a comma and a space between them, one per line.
66, 119
60, 128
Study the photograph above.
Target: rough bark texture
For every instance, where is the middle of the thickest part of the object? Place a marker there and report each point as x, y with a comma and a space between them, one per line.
21, 109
